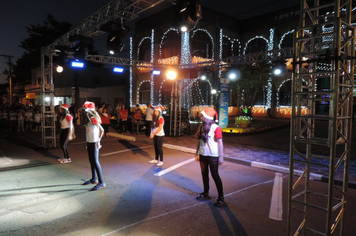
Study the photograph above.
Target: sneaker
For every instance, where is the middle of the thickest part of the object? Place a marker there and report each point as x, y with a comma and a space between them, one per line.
60, 159
202, 196
99, 186
220, 201
91, 181
160, 163
64, 161
154, 161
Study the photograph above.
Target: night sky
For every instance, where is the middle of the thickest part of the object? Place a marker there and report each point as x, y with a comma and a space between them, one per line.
17, 14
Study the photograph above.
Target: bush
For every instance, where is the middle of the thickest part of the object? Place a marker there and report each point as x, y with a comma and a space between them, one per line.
243, 121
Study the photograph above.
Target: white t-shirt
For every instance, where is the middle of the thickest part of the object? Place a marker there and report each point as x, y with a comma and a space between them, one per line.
161, 132
149, 113
210, 148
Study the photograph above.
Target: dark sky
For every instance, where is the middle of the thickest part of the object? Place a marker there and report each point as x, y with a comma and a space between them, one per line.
17, 14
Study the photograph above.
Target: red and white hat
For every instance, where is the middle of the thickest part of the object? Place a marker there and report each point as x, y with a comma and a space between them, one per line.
64, 106
210, 114
89, 106
159, 108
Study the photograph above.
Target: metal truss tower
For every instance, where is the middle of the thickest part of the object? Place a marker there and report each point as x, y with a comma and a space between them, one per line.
323, 76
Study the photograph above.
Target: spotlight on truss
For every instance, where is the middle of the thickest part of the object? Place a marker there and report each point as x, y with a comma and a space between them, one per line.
188, 14
81, 46
116, 35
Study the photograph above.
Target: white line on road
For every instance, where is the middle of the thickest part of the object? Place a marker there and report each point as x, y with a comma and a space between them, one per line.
181, 209
9, 160
174, 167
126, 150
276, 209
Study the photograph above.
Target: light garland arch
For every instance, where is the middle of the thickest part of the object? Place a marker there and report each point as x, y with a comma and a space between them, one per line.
163, 38
250, 40
211, 38
138, 90
282, 38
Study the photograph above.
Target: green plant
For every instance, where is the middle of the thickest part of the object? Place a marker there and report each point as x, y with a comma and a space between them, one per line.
243, 121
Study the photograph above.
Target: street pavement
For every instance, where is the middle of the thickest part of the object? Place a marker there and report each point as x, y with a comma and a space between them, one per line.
267, 150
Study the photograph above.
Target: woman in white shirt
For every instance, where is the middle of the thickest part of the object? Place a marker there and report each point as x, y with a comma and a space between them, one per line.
94, 133
66, 122
157, 134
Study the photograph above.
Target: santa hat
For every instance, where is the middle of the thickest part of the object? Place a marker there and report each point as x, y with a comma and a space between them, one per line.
64, 106
89, 106
159, 108
210, 114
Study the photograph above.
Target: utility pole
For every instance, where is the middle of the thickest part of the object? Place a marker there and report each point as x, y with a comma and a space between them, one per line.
10, 73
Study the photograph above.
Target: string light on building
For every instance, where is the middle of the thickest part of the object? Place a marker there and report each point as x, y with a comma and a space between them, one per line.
131, 50
164, 37
250, 40
220, 51
283, 36
139, 45
271, 39
152, 59
138, 90
232, 42
186, 58
211, 38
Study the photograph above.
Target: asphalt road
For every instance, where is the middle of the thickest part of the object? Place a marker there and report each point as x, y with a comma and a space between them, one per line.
39, 196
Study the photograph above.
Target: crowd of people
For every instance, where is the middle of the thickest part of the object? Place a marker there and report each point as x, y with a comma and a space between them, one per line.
97, 119
20, 118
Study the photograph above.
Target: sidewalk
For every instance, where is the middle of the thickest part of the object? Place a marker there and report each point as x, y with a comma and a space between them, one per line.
250, 153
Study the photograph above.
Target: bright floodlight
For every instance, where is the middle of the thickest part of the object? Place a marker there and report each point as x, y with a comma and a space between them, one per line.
171, 75
111, 52
232, 76
213, 91
183, 28
47, 99
118, 69
59, 69
203, 77
277, 71
77, 64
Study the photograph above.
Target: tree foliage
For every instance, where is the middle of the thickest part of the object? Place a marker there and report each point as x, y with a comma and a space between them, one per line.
38, 36
253, 78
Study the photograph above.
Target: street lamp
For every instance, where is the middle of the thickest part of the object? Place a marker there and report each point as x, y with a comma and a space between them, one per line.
171, 75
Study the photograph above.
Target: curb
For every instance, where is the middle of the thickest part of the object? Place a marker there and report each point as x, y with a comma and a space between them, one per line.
255, 164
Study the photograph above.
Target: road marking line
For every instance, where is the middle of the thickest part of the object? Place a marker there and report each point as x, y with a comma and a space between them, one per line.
165, 171
9, 160
276, 209
181, 209
126, 150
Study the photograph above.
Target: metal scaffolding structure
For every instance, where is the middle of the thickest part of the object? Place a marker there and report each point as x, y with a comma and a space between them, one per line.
323, 76
117, 10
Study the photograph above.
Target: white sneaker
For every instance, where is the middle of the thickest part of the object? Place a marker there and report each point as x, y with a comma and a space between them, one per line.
160, 163
154, 161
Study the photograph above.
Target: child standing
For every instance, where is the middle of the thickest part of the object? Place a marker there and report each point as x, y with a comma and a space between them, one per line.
157, 133
94, 133
37, 120
210, 153
66, 121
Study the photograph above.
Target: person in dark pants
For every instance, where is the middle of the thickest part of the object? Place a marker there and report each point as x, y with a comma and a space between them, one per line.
105, 118
94, 133
149, 113
210, 153
157, 133
66, 121
123, 119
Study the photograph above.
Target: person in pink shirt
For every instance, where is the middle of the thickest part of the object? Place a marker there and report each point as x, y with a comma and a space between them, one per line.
123, 119
105, 121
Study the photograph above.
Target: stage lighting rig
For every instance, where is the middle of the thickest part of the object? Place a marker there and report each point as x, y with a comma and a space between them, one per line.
188, 14
81, 46
116, 35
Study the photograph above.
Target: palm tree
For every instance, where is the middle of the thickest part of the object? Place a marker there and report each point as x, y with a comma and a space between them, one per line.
253, 78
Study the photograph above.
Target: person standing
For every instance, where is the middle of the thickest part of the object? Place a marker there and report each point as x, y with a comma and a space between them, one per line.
66, 121
123, 119
94, 133
13, 120
149, 113
20, 120
209, 153
157, 134
37, 120
105, 118
29, 119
